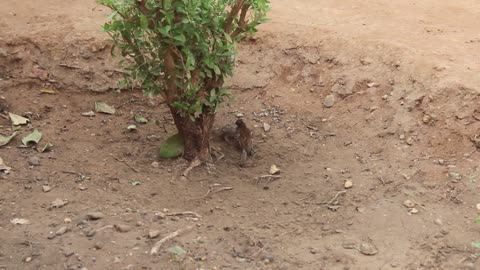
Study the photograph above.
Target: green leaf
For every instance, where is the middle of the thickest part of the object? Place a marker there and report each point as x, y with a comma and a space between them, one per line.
176, 250
477, 220
33, 137
172, 148
6, 140
18, 120
144, 22
476, 244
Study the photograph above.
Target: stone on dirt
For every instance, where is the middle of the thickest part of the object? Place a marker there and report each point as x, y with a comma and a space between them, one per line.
94, 215
329, 101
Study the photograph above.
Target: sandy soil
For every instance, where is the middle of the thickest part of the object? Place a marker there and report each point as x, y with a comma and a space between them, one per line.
405, 113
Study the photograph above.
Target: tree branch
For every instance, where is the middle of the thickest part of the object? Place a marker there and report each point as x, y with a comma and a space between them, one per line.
234, 12
242, 21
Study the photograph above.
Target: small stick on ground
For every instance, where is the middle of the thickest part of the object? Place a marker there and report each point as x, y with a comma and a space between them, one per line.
334, 197
186, 213
211, 191
381, 180
69, 66
104, 228
128, 164
172, 235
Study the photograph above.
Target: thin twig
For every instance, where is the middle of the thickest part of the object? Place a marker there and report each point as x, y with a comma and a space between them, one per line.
128, 164
335, 197
172, 235
69, 66
211, 191
186, 213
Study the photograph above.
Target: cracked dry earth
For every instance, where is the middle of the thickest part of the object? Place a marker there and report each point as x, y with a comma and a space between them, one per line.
373, 116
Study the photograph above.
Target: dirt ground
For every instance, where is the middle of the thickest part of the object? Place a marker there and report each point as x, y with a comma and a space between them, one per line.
402, 81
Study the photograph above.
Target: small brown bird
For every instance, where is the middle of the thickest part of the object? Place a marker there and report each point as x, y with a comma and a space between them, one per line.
245, 139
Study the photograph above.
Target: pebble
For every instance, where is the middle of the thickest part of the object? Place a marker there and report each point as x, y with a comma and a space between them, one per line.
34, 161
68, 252
155, 164
67, 220
266, 127
348, 184
3, 52
91, 233
153, 234
274, 169
239, 115
349, 245
61, 231
438, 221
408, 204
98, 245
326, 228
367, 248
88, 114
122, 228
478, 206
409, 141
267, 259
329, 101
94, 215
413, 211
28, 259
46, 189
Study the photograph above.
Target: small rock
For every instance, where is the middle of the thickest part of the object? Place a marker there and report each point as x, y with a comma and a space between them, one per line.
266, 127
98, 245
385, 97
3, 53
28, 259
329, 101
274, 170
410, 141
34, 161
239, 115
122, 228
155, 164
438, 221
91, 233
267, 259
478, 206
326, 228
67, 220
46, 189
408, 204
61, 231
132, 127
368, 248
348, 184
68, 252
116, 260
82, 188
413, 211
58, 203
366, 61
349, 245
94, 215
89, 114
153, 234
361, 209
372, 84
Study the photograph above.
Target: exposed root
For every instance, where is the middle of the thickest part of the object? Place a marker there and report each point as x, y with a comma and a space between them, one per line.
195, 163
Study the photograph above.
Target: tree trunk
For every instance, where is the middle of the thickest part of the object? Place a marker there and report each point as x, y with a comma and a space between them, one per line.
196, 134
